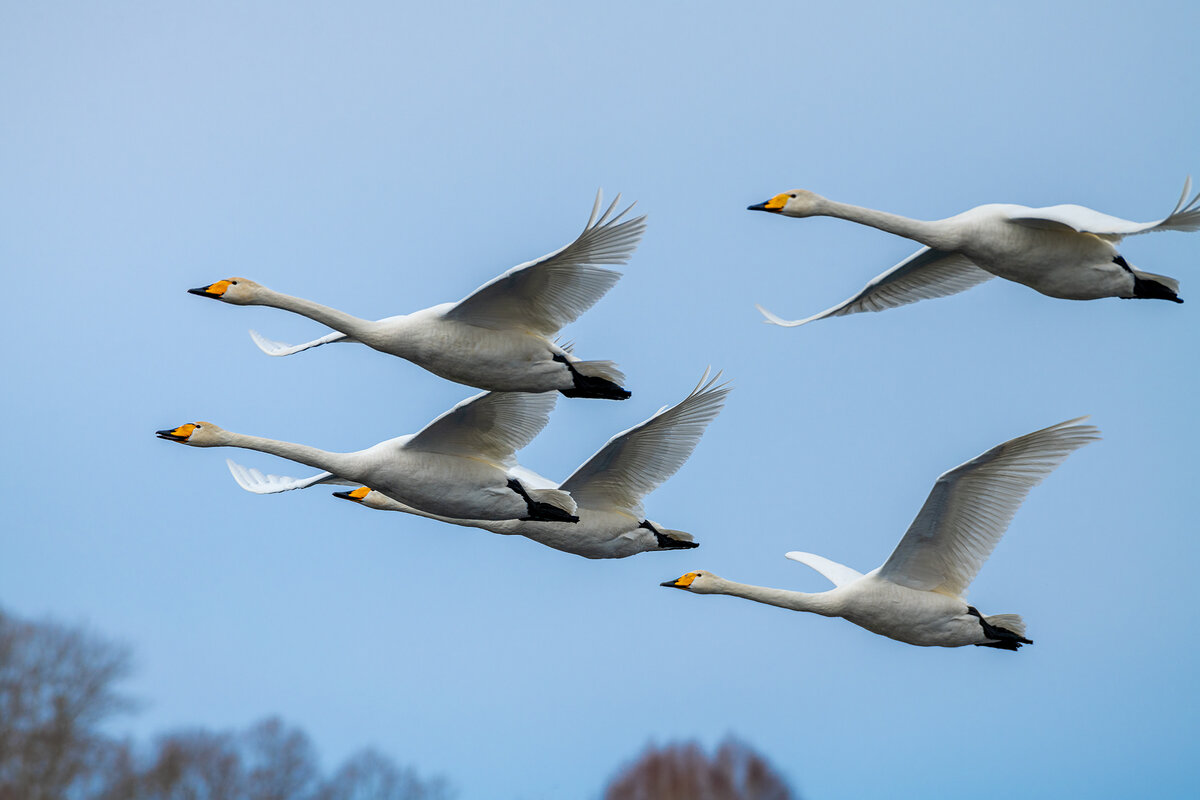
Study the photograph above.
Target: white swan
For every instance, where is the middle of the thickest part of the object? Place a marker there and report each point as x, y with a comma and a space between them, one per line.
918, 595
1062, 251
459, 465
497, 338
608, 488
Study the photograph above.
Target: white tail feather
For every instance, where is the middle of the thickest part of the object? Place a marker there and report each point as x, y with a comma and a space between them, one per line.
1170, 283
1009, 622
606, 370
554, 497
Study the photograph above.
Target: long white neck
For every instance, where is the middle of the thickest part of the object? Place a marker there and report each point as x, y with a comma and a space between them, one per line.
331, 317
933, 234
819, 603
337, 463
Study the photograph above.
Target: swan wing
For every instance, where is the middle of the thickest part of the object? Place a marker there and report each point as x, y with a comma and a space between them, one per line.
274, 348
635, 462
546, 294
1185, 217
971, 506
491, 425
924, 275
253, 480
838, 574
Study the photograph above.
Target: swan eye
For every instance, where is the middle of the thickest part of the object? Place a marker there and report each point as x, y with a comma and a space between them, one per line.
790, 195
234, 283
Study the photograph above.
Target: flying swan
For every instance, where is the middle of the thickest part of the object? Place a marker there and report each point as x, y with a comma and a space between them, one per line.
608, 488
459, 465
918, 595
1062, 251
497, 338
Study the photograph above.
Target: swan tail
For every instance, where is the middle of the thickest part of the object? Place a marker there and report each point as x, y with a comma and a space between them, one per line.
550, 505
1004, 631
1148, 286
598, 379
669, 539
274, 348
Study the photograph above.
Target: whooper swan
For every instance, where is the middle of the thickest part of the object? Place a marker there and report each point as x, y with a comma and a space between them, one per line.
1062, 251
918, 595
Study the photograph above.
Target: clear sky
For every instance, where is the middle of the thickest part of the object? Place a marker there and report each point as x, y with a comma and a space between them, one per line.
383, 157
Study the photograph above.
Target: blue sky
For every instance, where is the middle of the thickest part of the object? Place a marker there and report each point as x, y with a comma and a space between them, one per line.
382, 158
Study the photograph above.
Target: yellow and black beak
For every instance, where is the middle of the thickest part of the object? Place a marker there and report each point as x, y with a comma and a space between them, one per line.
682, 582
179, 434
357, 495
213, 290
774, 205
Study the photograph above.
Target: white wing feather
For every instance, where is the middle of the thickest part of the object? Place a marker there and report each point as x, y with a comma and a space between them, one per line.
838, 574
924, 275
274, 348
971, 506
1185, 217
545, 294
637, 461
253, 480
490, 425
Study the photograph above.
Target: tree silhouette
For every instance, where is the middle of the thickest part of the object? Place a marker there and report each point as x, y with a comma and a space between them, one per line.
686, 772
57, 688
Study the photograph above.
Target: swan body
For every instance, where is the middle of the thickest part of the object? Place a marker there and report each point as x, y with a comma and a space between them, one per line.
1064, 251
918, 596
499, 337
460, 465
608, 488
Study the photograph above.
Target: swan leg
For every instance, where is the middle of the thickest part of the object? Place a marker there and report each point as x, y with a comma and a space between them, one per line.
540, 512
1147, 288
1004, 639
591, 385
665, 542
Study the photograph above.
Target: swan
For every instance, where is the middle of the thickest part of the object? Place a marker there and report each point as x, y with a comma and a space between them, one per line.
459, 465
500, 336
608, 487
918, 595
1062, 251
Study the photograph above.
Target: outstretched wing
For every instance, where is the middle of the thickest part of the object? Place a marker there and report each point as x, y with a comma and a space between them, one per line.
492, 425
838, 574
971, 506
924, 275
1185, 217
546, 294
253, 480
635, 462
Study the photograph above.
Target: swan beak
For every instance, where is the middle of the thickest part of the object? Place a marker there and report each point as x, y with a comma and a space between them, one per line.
774, 205
357, 495
179, 434
213, 290
681, 582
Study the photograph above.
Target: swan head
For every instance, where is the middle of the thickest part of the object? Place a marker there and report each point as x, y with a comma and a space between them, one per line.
366, 496
239, 291
796, 203
196, 434
700, 582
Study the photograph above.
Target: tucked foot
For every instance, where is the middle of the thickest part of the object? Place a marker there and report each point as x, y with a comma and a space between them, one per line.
1004, 638
538, 511
666, 541
593, 386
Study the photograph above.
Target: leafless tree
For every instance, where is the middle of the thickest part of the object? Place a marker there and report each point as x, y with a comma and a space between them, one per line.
57, 684
686, 772
58, 687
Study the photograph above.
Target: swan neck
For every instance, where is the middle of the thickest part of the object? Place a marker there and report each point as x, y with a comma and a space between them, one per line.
927, 233
331, 317
796, 601
300, 453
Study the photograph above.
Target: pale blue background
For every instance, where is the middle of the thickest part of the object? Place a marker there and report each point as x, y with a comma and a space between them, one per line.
381, 158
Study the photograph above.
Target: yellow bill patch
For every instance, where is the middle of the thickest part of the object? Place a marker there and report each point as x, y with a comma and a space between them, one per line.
686, 580
184, 431
219, 287
778, 201
360, 492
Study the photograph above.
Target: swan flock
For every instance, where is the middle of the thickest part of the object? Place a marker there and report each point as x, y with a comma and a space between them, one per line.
461, 468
